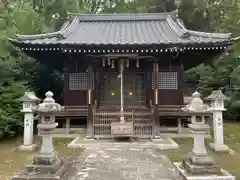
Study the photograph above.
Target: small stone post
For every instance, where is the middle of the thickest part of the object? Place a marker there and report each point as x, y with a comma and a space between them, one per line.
217, 104
29, 100
46, 165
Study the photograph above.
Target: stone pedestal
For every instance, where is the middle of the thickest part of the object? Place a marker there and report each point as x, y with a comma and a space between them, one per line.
46, 165
29, 100
198, 161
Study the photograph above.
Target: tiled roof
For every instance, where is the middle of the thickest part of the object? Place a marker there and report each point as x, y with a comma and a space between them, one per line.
126, 29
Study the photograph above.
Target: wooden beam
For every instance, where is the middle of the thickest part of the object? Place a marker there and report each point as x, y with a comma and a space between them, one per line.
90, 102
65, 83
156, 123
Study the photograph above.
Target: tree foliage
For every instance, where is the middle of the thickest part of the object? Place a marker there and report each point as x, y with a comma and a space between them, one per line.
19, 73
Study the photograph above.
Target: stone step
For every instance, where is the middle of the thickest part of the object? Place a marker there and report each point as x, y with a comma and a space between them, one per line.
44, 169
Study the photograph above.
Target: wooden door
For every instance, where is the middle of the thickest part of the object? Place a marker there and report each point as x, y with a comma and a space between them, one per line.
133, 89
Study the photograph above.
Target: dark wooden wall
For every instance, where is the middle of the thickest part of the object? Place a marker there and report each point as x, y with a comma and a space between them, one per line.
74, 97
172, 96
165, 97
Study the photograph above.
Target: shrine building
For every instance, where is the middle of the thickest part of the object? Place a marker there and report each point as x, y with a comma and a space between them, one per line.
124, 68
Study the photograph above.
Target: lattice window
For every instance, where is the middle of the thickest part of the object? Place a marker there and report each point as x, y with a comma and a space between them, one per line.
166, 80
79, 81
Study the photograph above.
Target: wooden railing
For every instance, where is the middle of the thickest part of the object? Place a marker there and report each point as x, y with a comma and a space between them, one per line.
105, 115
73, 111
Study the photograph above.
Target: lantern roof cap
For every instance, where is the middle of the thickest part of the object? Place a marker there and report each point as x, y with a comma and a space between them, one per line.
29, 96
48, 105
217, 95
196, 105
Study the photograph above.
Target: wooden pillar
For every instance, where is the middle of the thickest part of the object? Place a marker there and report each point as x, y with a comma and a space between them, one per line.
65, 83
99, 78
97, 88
155, 101
90, 102
181, 79
148, 86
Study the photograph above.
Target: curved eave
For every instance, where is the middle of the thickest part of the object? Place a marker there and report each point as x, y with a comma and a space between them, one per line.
73, 44
61, 34
117, 49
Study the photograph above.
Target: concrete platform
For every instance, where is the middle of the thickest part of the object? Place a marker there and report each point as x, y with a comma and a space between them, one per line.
225, 175
162, 143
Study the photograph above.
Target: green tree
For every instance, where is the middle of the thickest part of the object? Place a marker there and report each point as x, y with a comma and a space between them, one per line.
15, 18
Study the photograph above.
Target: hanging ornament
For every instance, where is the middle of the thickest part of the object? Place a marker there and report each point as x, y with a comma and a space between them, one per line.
103, 63
112, 63
137, 63
127, 64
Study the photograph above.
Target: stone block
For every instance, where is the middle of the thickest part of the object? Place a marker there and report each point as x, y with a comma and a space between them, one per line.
203, 159
200, 169
29, 148
224, 175
219, 148
44, 169
55, 173
45, 159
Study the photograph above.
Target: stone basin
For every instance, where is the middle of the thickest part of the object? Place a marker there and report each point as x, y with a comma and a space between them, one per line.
198, 127
48, 127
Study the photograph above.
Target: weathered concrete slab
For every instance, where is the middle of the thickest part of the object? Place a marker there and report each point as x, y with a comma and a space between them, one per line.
162, 143
123, 164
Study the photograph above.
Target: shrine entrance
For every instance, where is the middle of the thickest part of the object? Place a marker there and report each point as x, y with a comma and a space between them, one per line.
133, 89
123, 111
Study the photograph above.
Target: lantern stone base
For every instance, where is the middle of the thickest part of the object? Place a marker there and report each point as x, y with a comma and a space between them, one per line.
188, 176
219, 148
200, 164
31, 147
44, 167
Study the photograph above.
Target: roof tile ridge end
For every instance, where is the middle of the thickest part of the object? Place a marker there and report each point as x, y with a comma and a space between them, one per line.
209, 34
174, 13
204, 34
38, 36
176, 27
68, 28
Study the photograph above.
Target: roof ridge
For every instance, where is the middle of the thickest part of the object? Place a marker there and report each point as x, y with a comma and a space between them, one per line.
124, 16
116, 14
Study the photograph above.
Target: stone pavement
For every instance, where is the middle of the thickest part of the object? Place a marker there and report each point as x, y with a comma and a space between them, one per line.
122, 164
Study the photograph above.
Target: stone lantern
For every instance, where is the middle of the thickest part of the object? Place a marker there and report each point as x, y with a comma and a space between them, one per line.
29, 100
198, 161
198, 110
217, 99
198, 164
46, 165
47, 111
